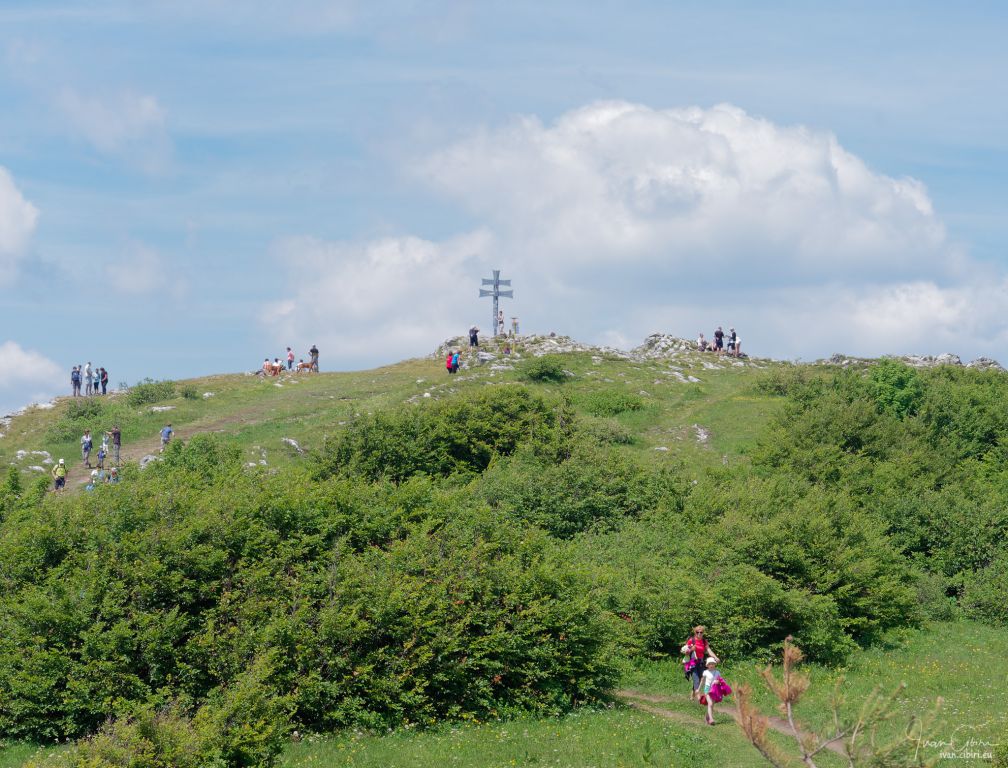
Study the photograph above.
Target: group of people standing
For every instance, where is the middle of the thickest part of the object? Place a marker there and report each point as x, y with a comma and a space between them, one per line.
276, 367
111, 443
93, 380
721, 342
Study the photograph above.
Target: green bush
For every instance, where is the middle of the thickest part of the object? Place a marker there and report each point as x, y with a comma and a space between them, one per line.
149, 391
572, 496
985, 593
189, 392
548, 369
896, 388
85, 409
609, 402
460, 435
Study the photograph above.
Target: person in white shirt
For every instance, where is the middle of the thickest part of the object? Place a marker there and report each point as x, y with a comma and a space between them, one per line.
709, 676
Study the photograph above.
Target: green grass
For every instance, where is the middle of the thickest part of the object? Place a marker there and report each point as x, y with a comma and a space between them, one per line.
617, 737
964, 663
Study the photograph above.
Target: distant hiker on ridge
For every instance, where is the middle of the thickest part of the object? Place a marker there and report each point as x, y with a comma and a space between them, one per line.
75, 380
314, 357
290, 358
719, 341
88, 379
474, 336
116, 434
701, 343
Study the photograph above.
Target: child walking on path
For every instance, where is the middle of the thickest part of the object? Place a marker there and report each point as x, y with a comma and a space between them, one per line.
710, 681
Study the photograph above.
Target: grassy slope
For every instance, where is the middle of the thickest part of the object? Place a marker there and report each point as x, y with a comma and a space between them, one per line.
255, 415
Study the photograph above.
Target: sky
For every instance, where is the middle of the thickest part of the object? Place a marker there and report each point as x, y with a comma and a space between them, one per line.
187, 187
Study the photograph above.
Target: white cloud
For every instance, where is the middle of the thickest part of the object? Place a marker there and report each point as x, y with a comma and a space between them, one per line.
128, 125
17, 223
618, 219
29, 377
381, 300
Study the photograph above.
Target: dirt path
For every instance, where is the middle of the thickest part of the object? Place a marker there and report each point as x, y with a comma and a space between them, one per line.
647, 702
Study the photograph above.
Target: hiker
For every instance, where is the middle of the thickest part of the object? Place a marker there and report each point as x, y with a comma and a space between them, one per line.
731, 341
116, 436
266, 367
474, 336
166, 435
448, 361
75, 380
277, 366
113, 477
719, 341
500, 323
714, 688
455, 362
59, 473
695, 649
701, 343
314, 358
104, 380
93, 481
88, 379
290, 358
85, 444
738, 347
102, 453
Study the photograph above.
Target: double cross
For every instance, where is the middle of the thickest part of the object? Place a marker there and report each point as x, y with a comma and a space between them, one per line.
497, 293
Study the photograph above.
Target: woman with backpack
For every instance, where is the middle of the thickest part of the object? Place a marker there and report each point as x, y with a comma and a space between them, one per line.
695, 650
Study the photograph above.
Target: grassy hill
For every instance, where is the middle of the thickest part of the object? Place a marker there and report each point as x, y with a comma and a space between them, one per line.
478, 562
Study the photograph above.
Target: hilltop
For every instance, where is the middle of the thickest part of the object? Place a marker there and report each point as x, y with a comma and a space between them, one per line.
401, 547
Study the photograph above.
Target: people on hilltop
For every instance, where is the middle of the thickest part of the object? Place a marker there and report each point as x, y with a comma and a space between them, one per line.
59, 474
701, 343
166, 436
719, 341
88, 379
86, 445
731, 341
500, 323
448, 361
75, 380
290, 358
455, 362
314, 358
103, 379
474, 336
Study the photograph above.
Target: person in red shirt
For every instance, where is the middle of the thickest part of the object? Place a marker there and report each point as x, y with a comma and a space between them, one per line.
698, 649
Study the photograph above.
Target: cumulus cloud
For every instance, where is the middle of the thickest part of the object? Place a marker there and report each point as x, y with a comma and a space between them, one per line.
380, 300
131, 126
26, 372
17, 223
618, 219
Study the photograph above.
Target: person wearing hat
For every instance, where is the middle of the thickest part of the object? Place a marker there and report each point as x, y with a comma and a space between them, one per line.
696, 648
710, 676
94, 481
59, 473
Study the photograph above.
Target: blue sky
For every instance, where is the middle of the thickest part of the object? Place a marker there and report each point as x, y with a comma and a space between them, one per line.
194, 185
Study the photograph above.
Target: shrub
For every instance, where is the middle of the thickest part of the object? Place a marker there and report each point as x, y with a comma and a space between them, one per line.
567, 498
458, 435
149, 391
189, 392
84, 409
896, 388
609, 402
985, 593
547, 369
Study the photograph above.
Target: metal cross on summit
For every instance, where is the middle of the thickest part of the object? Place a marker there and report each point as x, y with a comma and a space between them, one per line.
497, 293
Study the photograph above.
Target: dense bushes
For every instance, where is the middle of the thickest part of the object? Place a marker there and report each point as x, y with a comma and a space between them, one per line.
457, 436
369, 604
547, 369
149, 391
